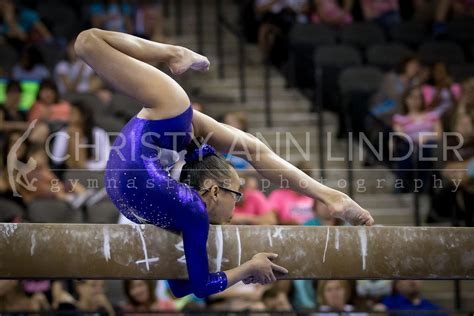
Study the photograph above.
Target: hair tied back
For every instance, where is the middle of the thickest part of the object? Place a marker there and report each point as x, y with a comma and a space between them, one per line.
199, 153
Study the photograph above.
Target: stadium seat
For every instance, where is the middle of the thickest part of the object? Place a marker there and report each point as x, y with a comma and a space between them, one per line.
408, 32
362, 35
62, 19
312, 34
337, 56
356, 86
90, 100
9, 209
360, 79
462, 72
111, 124
387, 56
447, 52
461, 31
53, 211
304, 39
8, 57
124, 106
103, 212
330, 60
52, 54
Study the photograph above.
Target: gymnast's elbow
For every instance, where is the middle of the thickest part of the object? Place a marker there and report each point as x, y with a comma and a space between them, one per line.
199, 292
254, 148
85, 42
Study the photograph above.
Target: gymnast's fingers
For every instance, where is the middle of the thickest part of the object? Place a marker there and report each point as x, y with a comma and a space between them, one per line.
272, 277
278, 268
270, 255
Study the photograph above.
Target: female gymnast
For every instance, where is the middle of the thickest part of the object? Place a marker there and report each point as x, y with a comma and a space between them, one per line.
137, 175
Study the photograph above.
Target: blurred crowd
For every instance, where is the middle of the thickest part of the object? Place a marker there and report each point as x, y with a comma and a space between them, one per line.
45, 90
385, 68
284, 297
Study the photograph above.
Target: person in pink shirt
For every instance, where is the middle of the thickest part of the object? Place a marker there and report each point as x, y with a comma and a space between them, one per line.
254, 208
330, 12
292, 208
48, 106
382, 12
418, 127
441, 93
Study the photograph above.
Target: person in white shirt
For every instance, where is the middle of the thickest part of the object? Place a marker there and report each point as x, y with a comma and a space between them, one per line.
81, 145
74, 75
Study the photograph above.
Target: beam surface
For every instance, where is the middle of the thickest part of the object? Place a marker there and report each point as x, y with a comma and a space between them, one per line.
90, 251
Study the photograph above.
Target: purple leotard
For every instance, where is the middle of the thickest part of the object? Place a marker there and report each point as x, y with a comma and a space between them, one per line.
141, 187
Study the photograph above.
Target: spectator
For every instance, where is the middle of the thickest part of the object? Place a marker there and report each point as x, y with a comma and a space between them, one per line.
386, 103
407, 297
322, 217
460, 166
92, 297
458, 8
303, 295
112, 15
386, 100
254, 208
149, 20
237, 120
371, 293
6, 190
11, 118
46, 184
61, 299
49, 107
81, 145
140, 294
334, 296
14, 299
31, 66
10, 28
198, 106
330, 12
74, 75
276, 300
239, 297
440, 93
276, 18
419, 127
384, 13
21, 26
292, 208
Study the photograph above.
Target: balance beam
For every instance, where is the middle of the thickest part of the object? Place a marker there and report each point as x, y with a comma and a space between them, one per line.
92, 251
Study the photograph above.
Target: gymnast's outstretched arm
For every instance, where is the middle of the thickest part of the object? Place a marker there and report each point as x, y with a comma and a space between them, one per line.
226, 138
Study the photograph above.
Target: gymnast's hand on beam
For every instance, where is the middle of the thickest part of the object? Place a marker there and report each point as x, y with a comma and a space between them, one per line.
261, 269
185, 59
342, 206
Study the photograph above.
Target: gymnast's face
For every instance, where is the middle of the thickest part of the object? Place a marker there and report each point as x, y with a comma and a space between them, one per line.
220, 203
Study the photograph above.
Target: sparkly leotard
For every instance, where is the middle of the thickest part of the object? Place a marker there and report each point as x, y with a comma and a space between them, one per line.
139, 183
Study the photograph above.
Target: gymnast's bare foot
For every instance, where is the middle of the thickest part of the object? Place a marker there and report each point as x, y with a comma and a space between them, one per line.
185, 59
343, 207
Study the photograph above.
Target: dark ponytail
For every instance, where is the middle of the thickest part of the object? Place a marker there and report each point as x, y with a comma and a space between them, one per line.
203, 163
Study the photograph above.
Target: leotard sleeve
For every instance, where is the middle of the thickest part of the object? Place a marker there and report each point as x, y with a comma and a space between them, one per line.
195, 233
